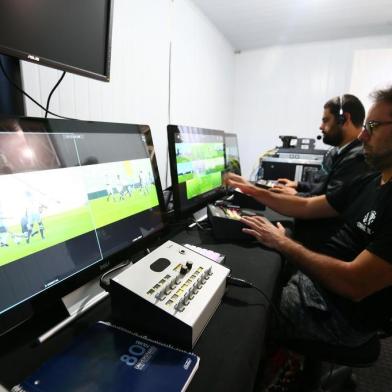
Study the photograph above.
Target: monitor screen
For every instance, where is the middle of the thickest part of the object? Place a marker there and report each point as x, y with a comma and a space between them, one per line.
73, 194
232, 153
71, 35
197, 161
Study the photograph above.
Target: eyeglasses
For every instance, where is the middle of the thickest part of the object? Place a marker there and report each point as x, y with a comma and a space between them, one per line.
370, 126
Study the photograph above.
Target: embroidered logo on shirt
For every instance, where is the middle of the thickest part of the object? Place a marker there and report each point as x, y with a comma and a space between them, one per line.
367, 221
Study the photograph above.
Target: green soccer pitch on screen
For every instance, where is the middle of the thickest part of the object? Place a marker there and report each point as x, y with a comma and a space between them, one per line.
44, 208
197, 162
200, 166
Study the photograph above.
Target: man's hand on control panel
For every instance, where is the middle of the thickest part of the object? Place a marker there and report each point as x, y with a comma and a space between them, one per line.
264, 231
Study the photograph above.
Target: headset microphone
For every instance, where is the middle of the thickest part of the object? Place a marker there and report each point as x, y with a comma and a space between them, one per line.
318, 137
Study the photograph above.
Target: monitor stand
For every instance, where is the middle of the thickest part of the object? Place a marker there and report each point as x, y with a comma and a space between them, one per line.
198, 217
16, 318
77, 302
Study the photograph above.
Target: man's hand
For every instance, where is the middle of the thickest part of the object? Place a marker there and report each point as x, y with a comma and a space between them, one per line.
283, 189
264, 231
287, 182
236, 181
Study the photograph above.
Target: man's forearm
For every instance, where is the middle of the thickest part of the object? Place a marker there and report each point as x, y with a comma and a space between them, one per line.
334, 274
288, 205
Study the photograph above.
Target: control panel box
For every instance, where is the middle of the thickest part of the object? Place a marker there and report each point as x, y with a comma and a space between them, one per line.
226, 224
244, 201
169, 295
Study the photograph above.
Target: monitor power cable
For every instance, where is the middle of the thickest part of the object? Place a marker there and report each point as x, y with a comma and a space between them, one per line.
51, 93
28, 96
104, 282
243, 283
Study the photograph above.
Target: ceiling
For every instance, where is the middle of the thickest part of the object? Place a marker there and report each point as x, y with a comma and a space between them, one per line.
251, 24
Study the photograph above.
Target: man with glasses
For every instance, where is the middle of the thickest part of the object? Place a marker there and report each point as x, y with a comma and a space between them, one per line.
343, 293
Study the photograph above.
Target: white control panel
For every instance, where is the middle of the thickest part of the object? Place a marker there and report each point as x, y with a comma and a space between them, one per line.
179, 284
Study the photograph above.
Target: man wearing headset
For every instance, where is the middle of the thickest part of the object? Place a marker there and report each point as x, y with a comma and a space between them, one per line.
342, 294
340, 125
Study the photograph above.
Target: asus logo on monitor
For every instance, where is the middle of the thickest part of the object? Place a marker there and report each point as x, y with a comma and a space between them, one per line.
31, 57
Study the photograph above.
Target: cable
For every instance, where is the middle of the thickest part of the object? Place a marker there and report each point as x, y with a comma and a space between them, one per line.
51, 93
105, 284
28, 96
243, 283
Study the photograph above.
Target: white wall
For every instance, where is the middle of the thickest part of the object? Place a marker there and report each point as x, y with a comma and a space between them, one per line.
282, 90
202, 77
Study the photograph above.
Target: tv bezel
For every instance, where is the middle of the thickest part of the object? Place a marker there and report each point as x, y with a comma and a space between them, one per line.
54, 294
179, 209
32, 58
231, 134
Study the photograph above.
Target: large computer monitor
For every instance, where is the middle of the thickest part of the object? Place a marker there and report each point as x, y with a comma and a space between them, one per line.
71, 35
73, 195
232, 153
197, 162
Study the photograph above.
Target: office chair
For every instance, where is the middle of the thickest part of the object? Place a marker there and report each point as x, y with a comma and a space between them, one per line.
340, 379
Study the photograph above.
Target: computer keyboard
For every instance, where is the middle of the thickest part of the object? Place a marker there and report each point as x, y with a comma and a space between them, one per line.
214, 256
266, 184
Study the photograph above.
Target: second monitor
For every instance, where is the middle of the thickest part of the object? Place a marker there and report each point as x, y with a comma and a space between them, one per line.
232, 153
197, 162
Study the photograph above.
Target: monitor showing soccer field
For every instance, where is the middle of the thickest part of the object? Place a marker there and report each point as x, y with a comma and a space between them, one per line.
197, 162
73, 194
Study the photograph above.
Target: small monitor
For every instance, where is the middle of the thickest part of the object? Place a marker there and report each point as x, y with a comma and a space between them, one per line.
232, 153
197, 162
73, 194
71, 35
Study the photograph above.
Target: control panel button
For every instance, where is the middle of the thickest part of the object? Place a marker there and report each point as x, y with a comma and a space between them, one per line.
189, 265
179, 306
160, 295
183, 270
186, 299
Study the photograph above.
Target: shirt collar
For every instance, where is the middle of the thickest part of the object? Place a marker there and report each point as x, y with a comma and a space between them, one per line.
340, 149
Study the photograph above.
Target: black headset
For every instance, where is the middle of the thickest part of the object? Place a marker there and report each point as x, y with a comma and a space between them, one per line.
340, 117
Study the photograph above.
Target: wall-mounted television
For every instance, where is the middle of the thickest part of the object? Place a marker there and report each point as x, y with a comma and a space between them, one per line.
233, 163
197, 162
74, 194
70, 35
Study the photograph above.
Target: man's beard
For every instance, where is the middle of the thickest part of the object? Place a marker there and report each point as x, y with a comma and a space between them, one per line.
334, 137
379, 161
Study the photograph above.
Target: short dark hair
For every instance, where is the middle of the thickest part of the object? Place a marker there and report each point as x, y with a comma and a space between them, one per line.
350, 104
384, 95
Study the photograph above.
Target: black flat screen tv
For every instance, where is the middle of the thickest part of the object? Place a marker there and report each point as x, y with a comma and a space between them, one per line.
197, 163
73, 195
70, 35
232, 153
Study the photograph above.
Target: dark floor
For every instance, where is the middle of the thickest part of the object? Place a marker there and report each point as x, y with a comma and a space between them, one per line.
378, 378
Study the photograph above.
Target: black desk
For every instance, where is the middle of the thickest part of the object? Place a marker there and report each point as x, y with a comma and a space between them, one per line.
231, 346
